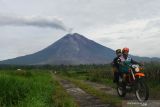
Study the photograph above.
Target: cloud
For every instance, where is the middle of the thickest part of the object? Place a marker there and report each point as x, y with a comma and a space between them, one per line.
153, 24
36, 21
132, 34
106, 39
113, 23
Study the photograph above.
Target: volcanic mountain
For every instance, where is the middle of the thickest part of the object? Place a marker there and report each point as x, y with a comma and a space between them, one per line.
72, 49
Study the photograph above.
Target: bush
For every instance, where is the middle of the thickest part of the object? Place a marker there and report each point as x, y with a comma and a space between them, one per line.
23, 73
97, 75
152, 71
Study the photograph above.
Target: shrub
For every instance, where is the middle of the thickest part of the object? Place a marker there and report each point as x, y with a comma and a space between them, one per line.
23, 73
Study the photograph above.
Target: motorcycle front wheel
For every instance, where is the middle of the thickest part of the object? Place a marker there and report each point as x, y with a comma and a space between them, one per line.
142, 91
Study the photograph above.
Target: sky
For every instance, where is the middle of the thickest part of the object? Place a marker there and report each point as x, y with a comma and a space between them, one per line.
27, 26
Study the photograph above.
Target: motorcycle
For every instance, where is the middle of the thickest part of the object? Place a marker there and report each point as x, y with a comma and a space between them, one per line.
133, 81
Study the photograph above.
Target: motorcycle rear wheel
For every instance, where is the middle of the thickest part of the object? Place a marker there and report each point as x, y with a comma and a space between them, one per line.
121, 90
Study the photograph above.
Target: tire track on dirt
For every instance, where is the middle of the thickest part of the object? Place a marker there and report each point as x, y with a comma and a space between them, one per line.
110, 90
82, 98
129, 98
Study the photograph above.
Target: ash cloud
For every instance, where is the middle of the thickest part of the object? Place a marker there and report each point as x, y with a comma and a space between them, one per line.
36, 21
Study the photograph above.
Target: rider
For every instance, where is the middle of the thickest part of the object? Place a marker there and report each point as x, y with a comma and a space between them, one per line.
115, 66
125, 61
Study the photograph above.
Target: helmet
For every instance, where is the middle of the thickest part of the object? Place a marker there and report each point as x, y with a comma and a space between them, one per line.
125, 50
118, 51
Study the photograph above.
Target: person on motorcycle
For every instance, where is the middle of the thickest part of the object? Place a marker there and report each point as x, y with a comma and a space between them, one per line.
125, 61
131, 80
115, 66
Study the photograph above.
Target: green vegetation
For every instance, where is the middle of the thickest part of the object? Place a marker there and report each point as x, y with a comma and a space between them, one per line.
34, 86
13, 90
25, 89
152, 72
100, 74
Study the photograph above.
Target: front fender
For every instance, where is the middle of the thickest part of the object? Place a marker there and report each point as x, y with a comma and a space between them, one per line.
139, 75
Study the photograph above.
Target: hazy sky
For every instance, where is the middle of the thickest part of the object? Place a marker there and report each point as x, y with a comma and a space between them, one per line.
27, 26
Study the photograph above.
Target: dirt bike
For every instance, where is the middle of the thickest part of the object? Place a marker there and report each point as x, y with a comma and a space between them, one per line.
133, 81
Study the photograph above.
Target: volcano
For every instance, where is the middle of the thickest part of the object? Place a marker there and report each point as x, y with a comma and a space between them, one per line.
72, 49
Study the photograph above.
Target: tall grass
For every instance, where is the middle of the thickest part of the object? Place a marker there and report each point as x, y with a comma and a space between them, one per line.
29, 89
152, 71
12, 90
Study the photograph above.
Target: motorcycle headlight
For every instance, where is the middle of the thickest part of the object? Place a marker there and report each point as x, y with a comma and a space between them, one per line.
137, 69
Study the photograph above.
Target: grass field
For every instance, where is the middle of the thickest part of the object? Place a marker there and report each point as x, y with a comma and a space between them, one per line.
32, 88
25, 89
37, 87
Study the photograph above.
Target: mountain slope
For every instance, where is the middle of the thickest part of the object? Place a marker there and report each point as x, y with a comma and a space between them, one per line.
71, 49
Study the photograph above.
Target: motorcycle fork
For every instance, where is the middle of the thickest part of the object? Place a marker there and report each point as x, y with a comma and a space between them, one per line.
134, 78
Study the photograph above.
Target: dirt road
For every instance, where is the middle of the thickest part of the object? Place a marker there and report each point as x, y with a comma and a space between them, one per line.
83, 99
129, 100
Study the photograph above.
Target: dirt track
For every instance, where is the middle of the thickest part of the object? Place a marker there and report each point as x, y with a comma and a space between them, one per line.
110, 90
129, 100
82, 98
